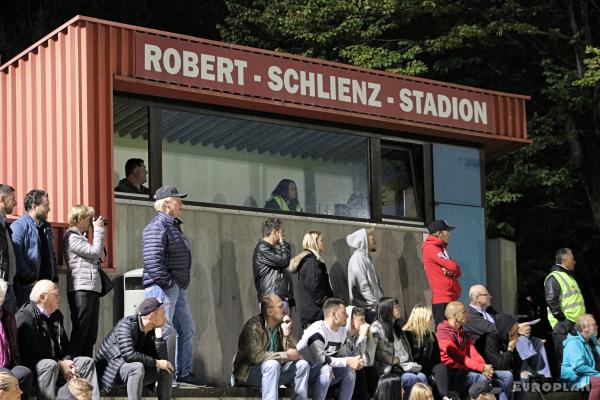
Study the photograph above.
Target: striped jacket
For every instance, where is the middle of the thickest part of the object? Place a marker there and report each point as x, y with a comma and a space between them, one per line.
127, 343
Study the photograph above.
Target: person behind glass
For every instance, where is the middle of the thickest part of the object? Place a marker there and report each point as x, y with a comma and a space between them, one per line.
419, 330
269, 264
442, 272
360, 342
8, 262
465, 365
136, 175
393, 352
313, 280
32, 240
267, 354
166, 275
363, 281
134, 353
44, 343
284, 197
9, 387
324, 346
10, 357
83, 280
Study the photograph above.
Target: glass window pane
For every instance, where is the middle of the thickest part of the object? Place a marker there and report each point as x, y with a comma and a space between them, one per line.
130, 141
237, 162
400, 193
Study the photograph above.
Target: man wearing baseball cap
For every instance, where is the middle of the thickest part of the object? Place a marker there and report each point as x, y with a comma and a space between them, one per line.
442, 272
167, 264
134, 353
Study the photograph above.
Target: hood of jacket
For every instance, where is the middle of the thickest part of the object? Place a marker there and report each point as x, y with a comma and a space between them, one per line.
435, 241
297, 259
358, 240
446, 331
349, 310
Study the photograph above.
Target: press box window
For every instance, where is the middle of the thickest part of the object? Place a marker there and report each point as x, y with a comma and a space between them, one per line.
226, 160
401, 181
131, 129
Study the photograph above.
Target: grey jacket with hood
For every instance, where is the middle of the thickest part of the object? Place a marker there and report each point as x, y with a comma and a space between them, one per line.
363, 281
82, 259
360, 345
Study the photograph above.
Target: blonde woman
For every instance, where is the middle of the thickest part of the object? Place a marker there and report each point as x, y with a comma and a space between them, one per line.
83, 280
76, 389
424, 347
9, 387
313, 280
421, 391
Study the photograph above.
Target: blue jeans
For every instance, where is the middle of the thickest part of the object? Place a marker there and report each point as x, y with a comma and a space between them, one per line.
320, 377
270, 374
409, 379
461, 379
178, 316
506, 382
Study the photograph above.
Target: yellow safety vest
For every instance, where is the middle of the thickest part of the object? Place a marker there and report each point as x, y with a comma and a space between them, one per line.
571, 300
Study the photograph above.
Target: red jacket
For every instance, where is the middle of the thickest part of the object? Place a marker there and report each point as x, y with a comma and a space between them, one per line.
456, 349
444, 286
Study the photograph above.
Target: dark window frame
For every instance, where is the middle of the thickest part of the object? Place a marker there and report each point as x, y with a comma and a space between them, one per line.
373, 159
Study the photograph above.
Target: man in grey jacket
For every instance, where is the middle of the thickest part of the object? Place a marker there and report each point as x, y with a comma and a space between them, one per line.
363, 281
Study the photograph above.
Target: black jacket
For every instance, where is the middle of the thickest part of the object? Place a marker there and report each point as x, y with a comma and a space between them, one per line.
552, 293
41, 337
485, 336
4, 249
127, 343
269, 266
428, 355
313, 288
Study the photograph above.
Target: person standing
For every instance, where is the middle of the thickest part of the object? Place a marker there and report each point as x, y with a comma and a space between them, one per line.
136, 175
167, 264
363, 280
269, 264
564, 298
83, 280
33, 243
8, 262
442, 272
313, 280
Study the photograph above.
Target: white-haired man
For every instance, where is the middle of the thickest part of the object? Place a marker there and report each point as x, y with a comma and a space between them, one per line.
45, 345
167, 265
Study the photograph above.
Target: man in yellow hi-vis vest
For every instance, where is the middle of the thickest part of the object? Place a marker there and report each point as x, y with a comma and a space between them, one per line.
564, 298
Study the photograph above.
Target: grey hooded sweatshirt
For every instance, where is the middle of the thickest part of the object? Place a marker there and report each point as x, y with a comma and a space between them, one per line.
363, 281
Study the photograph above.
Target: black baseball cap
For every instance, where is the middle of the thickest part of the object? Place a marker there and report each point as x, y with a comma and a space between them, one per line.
482, 387
149, 305
168, 191
439, 225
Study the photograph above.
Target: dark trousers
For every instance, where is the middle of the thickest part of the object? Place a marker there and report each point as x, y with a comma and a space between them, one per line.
559, 333
25, 378
365, 384
85, 310
439, 312
439, 376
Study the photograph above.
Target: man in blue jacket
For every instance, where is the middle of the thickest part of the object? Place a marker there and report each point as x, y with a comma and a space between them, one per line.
581, 357
167, 263
32, 241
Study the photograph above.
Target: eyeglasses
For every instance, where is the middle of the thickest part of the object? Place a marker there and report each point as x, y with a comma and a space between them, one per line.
485, 294
280, 306
57, 294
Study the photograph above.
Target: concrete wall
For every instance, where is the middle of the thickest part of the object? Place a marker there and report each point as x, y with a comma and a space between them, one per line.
502, 274
222, 293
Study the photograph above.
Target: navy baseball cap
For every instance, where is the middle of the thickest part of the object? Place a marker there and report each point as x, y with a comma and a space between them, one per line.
149, 305
439, 225
482, 387
168, 191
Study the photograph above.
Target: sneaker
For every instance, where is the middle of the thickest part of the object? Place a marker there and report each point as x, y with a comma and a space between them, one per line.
190, 379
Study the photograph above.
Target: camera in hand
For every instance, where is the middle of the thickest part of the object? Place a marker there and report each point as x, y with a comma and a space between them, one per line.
105, 221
